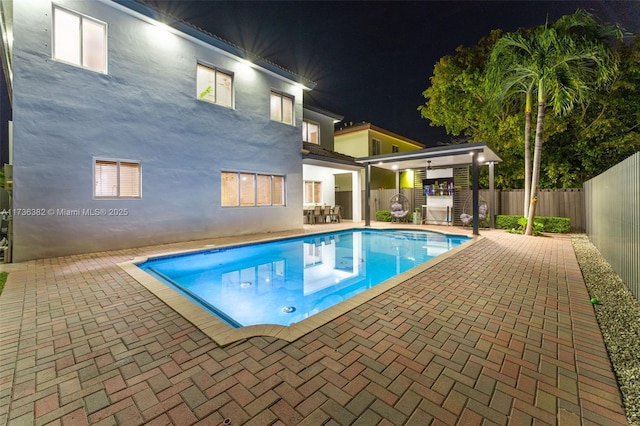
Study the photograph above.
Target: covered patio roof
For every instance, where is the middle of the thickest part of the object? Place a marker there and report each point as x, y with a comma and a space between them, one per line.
440, 156
468, 154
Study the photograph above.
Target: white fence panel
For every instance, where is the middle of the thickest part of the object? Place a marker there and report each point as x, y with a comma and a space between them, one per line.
612, 201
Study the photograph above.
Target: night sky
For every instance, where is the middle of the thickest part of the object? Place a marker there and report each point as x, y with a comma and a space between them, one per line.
372, 60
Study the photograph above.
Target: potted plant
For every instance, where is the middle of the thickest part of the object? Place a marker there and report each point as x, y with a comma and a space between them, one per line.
417, 216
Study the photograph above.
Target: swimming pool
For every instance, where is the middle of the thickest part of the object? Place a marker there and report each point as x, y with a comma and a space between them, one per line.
286, 281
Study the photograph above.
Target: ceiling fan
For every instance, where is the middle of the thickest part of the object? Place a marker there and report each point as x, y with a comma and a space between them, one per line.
430, 167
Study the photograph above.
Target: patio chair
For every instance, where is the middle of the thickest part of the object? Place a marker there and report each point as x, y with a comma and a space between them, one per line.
399, 207
336, 216
317, 213
483, 209
326, 213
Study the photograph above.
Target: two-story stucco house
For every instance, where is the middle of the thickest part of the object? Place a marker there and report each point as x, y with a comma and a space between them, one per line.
129, 129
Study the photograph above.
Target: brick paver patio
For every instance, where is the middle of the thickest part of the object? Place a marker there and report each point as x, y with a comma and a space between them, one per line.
501, 333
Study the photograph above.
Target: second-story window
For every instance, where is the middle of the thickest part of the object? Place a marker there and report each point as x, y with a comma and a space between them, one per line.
281, 108
214, 86
375, 147
310, 132
79, 40
394, 148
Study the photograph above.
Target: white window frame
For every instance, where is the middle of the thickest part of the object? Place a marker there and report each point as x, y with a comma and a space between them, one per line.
211, 93
305, 131
312, 198
81, 39
277, 112
117, 194
252, 193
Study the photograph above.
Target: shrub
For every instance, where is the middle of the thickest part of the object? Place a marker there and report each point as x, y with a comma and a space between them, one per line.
3, 280
557, 225
383, 216
507, 221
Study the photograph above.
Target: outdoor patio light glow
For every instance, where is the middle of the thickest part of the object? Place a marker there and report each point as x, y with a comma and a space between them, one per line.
394, 167
163, 26
246, 69
245, 63
162, 34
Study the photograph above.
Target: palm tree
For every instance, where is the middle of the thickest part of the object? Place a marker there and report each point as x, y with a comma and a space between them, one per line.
564, 63
504, 81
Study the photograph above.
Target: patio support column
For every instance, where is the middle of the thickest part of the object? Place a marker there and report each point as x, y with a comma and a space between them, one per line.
367, 194
492, 197
397, 181
356, 197
475, 175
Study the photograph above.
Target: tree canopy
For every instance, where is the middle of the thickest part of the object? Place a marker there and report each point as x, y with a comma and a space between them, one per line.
579, 143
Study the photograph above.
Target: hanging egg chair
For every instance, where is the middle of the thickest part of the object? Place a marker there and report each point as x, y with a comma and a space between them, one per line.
466, 217
399, 207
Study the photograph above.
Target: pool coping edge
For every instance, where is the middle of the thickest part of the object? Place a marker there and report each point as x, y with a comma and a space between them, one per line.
223, 334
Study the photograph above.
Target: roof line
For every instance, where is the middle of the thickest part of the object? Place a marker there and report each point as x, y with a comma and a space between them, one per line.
365, 125
322, 111
200, 34
438, 151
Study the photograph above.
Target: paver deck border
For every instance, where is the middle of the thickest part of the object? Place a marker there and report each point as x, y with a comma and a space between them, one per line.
502, 333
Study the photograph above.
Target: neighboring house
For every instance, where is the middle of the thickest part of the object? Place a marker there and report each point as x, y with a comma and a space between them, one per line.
128, 132
322, 166
364, 140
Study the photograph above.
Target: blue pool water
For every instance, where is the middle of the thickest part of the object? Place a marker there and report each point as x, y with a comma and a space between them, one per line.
285, 281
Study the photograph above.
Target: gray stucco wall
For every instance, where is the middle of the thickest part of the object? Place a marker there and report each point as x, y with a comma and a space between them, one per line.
143, 109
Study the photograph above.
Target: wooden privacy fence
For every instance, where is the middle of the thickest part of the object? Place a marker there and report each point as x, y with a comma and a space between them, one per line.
551, 202
558, 203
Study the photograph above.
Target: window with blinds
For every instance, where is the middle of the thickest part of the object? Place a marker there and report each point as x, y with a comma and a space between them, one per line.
241, 189
312, 192
230, 190
117, 179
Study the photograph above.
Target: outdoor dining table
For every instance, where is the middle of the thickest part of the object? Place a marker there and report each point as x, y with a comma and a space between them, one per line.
308, 213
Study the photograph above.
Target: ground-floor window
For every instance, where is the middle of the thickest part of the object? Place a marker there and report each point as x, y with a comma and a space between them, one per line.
117, 179
252, 189
312, 192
